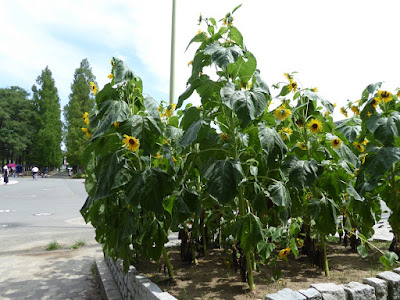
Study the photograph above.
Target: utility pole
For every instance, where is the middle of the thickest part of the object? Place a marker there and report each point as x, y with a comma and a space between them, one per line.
172, 69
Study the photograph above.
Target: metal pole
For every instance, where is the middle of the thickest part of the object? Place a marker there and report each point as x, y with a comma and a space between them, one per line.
172, 70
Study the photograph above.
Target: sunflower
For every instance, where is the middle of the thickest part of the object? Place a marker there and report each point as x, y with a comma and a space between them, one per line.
300, 243
116, 124
86, 118
363, 158
281, 113
93, 88
398, 93
359, 147
302, 145
343, 111
315, 125
284, 253
169, 110
158, 156
292, 86
85, 130
375, 102
285, 132
288, 76
190, 63
315, 90
224, 137
336, 143
131, 143
364, 142
384, 96
111, 76
355, 110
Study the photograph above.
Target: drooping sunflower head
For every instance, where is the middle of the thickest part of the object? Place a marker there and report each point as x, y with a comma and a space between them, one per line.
93, 88
116, 124
364, 142
300, 123
293, 86
363, 158
131, 142
299, 242
336, 143
355, 110
315, 90
284, 253
302, 145
86, 130
111, 76
169, 110
385, 96
288, 76
285, 132
375, 102
315, 126
224, 137
281, 113
86, 118
343, 111
359, 147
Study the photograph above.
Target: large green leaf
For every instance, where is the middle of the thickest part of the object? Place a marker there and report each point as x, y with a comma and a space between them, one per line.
344, 152
323, 212
149, 189
385, 129
303, 173
223, 178
271, 141
247, 105
350, 128
236, 36
381, 162
279, 194
249, 232
151, 106
222, 56
261, 83
200, 37
122, 73
106, 93
191, 134
111, 111
108, 168
370, 89
316, 97
191, 115
185, 204
244, 67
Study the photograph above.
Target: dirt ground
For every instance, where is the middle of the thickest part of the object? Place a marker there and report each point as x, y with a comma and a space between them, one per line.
214, 279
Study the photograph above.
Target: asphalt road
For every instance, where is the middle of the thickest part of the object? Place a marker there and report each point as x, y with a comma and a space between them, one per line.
35, 213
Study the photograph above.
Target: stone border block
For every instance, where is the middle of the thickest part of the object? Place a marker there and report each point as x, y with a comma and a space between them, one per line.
380, 286
311, 294
393, 280
285, 294
330, 291
359, 291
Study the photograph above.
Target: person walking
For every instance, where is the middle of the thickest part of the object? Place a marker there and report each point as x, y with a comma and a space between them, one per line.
6, 174
35, 171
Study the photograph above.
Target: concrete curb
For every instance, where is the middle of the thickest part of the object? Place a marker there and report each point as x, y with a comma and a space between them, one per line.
108, 286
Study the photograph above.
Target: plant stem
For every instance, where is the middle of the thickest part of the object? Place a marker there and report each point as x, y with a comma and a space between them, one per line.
168, 263
193, 254
250, 278
326, 266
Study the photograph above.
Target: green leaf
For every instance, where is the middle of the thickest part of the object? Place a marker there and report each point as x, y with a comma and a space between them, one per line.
249, 232
222, 56
303, 173
352, 192
212, 20
279, 194
122, 74
344, 152
200, 61
293, 247
271, 141
362, 250
261, 83
384, 129
265, 249
236, 8
191, 115
350, 129
108, 168
323, 211
149, 189
151, 106
111, 111
200, 37
223, 178
381, 162
191, 134
370, 89
236, 36
389, 259
284, 91
316, 97
106, 93
244, 67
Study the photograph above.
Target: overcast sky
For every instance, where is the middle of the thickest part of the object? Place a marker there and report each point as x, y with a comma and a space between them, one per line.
337, 46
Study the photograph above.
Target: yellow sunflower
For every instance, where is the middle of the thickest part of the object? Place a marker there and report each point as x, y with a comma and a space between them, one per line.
285, 132
292, 86
359, 147
343, 111
384, 96
315, 90
302, 145
116, 124
336, 143
375, 102
158, 156
363, 158
398, 93
131, 143
355, 110
281, 113
284, 253
111, 76
169, 110
93, 88
364, 142
85, 130
300, 243
315, 125
288, 76
86, 118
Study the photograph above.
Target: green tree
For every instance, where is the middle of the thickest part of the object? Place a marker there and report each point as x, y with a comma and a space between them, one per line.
47, 146
80, 101
16, 125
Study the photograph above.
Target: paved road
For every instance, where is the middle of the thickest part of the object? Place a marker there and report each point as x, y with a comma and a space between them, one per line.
33, 214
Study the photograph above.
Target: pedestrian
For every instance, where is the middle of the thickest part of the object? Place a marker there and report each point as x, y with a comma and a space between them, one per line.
35, 171
6, 174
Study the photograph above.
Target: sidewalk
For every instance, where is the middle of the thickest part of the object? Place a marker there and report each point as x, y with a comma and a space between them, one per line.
59, 274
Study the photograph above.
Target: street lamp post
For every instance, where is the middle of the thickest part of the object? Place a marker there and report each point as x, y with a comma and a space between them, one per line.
172, 70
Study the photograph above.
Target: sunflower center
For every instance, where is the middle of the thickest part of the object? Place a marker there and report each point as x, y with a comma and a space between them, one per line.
314, 126
385, 94
336, 142
132, 141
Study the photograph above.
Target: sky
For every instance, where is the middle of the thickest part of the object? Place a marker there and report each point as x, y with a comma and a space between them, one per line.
337, 46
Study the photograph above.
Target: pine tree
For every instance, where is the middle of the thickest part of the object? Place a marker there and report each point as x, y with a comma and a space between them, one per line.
80, 101
47, 146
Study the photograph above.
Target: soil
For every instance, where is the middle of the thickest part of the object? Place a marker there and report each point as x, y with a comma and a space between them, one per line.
213, 278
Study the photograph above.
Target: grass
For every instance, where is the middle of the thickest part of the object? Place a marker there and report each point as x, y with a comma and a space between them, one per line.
53, 246
78, 244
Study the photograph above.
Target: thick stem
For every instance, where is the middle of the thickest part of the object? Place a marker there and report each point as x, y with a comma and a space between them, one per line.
203, 233
250, 278
168, 263
326, 266
193, 254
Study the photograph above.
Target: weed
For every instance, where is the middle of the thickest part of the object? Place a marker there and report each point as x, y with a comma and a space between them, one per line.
78, 244
53, 246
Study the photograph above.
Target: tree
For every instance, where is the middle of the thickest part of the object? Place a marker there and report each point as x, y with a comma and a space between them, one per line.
16, 125
80, 101
47, 146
